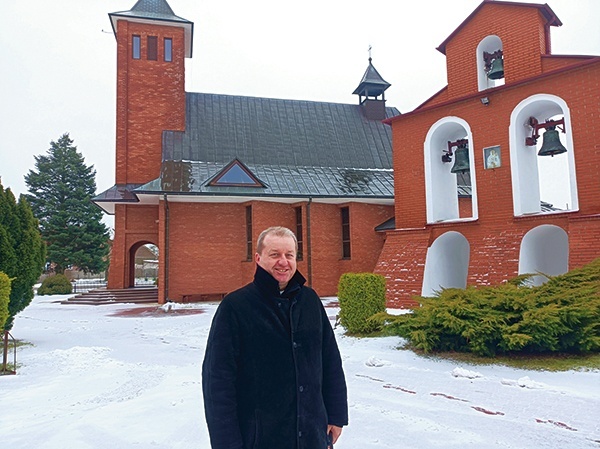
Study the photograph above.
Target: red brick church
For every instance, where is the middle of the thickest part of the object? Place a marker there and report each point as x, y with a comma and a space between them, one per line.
514, 126
458, 192
201, 175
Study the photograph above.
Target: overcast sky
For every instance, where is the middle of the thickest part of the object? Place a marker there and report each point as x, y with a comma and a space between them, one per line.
57, 61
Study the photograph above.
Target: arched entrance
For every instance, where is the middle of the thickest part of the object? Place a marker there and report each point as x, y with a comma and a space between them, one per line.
143, 264
446, 263
544, 249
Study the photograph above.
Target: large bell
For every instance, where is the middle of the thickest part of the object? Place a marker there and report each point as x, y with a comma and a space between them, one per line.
551, 144
496, 71
461, 159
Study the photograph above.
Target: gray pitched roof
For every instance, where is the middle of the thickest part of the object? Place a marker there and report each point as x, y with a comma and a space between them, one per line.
276, 132
297, 148
152, 9
145, 11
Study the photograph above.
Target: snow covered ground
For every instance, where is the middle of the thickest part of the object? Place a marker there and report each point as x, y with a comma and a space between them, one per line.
109, 377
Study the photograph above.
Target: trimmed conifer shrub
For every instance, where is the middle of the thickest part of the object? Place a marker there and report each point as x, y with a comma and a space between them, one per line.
562, 315
4, 298
361, 295
58, 284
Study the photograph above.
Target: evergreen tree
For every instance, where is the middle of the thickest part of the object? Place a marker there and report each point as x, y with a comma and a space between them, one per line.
60, 195
22, 251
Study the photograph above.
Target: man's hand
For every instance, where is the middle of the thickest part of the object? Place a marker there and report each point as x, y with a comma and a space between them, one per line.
335, 432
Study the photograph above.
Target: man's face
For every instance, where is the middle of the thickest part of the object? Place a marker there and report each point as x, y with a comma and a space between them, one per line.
278, 258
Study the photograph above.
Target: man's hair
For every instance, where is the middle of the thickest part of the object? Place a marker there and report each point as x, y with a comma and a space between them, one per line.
277, 231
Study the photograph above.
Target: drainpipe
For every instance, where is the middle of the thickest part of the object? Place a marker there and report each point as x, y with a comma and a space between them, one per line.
308, 243
166, 249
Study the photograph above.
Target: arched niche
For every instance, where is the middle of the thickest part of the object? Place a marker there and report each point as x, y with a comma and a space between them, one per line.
441, 186
544, 249
446, 263
489, 44
532, 175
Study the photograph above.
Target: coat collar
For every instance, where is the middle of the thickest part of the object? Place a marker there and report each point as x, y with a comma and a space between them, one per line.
269, 284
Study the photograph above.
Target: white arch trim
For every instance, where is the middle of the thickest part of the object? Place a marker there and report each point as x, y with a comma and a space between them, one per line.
523, 159
440, 185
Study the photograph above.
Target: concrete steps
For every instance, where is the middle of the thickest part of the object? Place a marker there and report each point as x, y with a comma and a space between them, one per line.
138, 295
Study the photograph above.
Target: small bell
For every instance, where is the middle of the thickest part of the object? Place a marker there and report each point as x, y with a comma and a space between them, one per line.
461, 159
551, 144
496, 71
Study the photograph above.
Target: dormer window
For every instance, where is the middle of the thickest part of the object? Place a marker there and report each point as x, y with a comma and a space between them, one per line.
235, 174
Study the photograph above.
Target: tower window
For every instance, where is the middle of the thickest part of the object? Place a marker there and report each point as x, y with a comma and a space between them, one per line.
345, 212
168, 49
299, 255
152, 48
136, 47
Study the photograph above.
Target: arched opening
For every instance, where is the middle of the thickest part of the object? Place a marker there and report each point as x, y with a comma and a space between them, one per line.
143, 265
446, 263
449, 196
541, 184
489, 59
544, 249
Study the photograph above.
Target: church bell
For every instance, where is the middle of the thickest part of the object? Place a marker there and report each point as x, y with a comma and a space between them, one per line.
496, 71
551, 144
461, 159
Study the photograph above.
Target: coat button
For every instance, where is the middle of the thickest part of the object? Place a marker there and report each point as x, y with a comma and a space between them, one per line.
301, 388
295, 345
300, 434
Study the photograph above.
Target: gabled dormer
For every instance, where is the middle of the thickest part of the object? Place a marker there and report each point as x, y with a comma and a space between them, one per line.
371, 93
500, 42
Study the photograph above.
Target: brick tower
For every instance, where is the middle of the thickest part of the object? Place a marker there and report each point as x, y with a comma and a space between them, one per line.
152, 44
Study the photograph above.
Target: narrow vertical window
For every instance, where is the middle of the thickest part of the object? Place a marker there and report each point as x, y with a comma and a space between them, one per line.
168, 49
249, 233
152, 50
136, 45
300, 254
345, 212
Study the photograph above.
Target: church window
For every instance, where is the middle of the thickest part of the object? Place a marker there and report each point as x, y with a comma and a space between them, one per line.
168, 49
248, 233
299, 255
152, 48
136, 44
345, 214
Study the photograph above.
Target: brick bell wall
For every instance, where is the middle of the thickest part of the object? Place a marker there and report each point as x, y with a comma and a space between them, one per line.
150, 99
496, 236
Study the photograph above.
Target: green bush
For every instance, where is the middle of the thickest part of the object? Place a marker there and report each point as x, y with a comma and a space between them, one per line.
4, 298
58, 284
561, 315
361, 295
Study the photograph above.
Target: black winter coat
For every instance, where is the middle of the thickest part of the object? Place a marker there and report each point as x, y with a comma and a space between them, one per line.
272, 379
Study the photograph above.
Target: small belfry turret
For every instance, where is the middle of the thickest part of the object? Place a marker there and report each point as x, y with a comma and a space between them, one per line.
371, 93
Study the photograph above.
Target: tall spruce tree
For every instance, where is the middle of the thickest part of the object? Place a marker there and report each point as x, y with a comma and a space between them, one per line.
60, 195
22, 251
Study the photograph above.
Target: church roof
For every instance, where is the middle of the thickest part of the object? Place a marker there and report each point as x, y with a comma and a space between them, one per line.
372, 83
296, 148
145, 11
152, 9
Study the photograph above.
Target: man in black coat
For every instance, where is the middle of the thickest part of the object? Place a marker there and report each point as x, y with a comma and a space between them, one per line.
272, 375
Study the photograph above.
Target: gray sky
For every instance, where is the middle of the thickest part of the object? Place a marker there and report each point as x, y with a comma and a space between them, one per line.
57, 61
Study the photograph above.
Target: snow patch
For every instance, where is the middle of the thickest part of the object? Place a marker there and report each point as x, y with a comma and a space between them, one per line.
524, 382
461, 372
